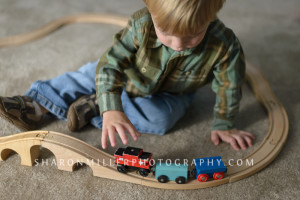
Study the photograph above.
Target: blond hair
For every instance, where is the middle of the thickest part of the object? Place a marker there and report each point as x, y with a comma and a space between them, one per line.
183, 17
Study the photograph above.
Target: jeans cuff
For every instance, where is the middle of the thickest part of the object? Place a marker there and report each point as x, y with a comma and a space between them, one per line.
59, 112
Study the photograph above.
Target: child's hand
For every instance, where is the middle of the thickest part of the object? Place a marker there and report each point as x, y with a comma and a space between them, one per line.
236, 138
116, 121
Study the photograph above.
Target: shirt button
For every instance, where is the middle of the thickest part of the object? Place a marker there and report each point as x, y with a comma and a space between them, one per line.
187, 73
144, 70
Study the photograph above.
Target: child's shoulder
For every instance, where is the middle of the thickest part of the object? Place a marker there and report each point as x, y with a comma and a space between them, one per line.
141, 16
221, 33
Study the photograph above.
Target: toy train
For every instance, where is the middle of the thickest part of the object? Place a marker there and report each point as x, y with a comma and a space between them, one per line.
205, 168
134, 158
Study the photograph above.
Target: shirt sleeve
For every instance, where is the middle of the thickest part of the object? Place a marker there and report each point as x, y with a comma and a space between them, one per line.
229, 74
110, 78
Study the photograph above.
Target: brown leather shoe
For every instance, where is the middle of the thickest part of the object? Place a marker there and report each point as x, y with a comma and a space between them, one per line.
19, 111
81, 112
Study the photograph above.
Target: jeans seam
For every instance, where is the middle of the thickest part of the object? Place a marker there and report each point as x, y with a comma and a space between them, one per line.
52, 108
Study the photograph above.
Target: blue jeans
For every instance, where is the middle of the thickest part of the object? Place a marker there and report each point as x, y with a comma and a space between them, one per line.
154, 114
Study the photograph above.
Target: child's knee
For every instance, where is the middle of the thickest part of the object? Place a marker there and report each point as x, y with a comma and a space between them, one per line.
159, 127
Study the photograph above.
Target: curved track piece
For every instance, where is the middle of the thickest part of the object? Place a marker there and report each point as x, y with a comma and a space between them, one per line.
69, 150
56, 24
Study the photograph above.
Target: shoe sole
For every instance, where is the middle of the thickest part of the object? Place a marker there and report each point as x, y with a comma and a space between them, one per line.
13, 120
72, 119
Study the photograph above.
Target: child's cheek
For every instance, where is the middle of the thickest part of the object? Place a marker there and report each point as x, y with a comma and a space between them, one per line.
165, 41
196, 41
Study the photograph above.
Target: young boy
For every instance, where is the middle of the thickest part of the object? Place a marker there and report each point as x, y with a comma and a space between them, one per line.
147, 79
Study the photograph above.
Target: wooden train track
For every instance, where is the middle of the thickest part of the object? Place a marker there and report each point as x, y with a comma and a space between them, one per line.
68, 150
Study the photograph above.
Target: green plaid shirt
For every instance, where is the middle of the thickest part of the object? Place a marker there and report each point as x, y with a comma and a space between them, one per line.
140, 63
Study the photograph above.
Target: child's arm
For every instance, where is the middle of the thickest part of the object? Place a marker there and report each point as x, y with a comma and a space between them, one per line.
229, 74
110, 81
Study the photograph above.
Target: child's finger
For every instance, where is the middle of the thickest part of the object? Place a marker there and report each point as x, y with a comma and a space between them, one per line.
131, 126
231, 140
104, 138
240, 141
122, 134
132, 131
248, 134
112, 136
215, 138
234, 144
248, 140
138, 133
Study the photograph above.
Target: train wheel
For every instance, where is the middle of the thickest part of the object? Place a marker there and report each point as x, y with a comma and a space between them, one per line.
180, 180
202, 177
162, 179
121, 168
144, 172
218, 175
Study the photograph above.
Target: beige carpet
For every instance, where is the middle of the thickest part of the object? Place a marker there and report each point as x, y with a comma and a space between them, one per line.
269, 31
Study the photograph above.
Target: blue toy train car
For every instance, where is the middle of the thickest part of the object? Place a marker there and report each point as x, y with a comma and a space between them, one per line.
171, 172
210, 167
